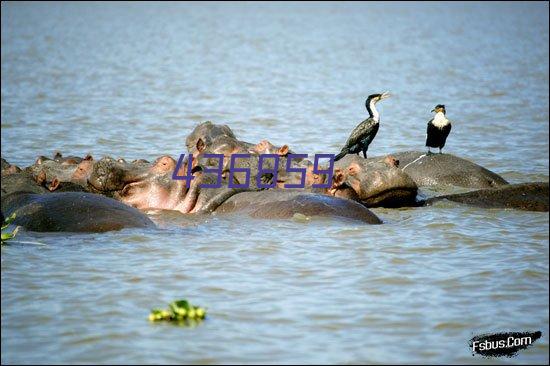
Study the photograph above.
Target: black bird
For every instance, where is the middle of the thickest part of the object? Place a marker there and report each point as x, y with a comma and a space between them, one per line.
439, 128
364, 133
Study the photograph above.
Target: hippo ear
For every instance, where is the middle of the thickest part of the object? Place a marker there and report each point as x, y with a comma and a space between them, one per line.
260, 147
391, 161
54, 185
88, 157
283, 150
57, 155
40, 159
41, 177
200, 145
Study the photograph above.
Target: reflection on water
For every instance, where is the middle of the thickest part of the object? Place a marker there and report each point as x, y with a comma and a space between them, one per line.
132, 80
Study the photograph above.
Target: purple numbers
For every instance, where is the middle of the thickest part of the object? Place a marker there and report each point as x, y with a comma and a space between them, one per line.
187, 178
217, 170
233, 170
290, 169
329, 171
261, 171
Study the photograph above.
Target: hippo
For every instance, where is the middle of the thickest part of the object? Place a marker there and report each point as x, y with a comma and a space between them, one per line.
37, 209
523, 196
284, 204
61, 174
446, 170
206, 132
71, 212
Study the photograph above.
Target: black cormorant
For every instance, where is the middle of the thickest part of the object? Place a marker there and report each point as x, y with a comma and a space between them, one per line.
364, 133
439, 128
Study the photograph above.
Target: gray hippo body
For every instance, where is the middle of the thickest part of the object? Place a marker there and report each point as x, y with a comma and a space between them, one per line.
523, 196
71, 212
284, 204
446, 169
21, 181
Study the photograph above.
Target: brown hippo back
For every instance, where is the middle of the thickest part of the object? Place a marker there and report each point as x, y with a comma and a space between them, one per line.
284, 204
523, 196
71, 212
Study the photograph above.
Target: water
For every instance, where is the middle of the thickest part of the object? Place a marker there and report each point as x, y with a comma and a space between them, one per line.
132, 80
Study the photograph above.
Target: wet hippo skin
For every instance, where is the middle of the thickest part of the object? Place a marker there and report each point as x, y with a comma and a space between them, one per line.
523, 196
71, 212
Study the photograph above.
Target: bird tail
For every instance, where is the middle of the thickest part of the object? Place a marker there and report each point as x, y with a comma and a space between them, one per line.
342, 153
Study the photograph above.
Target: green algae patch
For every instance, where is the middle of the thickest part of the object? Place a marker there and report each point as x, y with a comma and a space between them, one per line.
7, 235
179, 311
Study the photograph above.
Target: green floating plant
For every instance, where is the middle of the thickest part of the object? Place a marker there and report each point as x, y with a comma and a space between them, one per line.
180, 311
8, 236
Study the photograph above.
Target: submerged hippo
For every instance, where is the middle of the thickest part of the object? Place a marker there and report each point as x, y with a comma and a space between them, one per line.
71, 212
62, 174
284, 204
446, 169
523, 196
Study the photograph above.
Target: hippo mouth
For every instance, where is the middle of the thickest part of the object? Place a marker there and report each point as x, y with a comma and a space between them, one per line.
108, 184
392, 198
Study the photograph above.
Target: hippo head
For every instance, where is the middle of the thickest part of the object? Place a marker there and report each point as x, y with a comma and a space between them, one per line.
146, 185
62, 174
204, 134
374, 182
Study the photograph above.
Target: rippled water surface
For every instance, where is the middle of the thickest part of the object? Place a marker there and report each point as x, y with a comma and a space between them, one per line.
132, 80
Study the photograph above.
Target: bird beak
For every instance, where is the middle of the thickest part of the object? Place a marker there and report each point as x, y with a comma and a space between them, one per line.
433, 110
384, 95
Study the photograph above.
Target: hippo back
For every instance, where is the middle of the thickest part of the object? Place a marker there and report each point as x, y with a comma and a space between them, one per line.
71, 212
446, 169
284, 204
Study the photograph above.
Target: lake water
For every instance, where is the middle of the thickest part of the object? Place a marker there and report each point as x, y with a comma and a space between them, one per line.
132, 80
